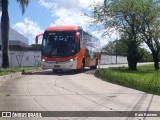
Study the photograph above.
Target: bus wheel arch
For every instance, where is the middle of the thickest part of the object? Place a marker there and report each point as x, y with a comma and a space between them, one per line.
96, 64
82, 65
56, 70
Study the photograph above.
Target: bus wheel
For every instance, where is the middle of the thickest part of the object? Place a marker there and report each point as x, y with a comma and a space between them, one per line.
95, 66
82, 68
54, 70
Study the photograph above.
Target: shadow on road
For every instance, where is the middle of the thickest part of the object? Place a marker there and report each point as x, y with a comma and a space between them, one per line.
64, 72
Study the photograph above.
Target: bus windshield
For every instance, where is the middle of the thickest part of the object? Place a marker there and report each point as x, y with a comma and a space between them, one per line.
59, 44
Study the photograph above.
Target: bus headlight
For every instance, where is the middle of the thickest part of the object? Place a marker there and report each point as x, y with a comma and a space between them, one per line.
43, 60
71, 60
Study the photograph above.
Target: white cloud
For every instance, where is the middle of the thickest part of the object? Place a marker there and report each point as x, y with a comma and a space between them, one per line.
29, 29
105, 39
71, 12
98, 34
46, 4
68, 12
68, 4
87, 3
67, 17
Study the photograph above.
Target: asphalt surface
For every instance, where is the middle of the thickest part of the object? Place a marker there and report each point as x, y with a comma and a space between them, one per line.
72, 91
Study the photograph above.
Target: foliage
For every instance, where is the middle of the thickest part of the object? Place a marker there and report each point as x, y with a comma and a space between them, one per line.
116, 48
150, 27
36, 46
147, 57
119, 48
145, 78
119, 14
136, 21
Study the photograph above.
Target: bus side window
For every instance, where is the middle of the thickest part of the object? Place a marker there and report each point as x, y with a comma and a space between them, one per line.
44, 42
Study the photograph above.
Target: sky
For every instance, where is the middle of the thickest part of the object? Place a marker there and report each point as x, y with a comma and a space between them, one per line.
41, 14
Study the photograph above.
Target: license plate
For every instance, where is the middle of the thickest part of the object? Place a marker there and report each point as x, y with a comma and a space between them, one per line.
56, 66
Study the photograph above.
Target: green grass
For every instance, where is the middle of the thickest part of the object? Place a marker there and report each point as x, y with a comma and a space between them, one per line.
144, 79
6, 71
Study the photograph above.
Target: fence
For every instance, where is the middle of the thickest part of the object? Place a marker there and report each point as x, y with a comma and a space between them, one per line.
109, 59
23, 58
33, 58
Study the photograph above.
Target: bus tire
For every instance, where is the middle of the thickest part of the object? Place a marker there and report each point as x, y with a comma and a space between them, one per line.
81, 70
54, 70
95, 66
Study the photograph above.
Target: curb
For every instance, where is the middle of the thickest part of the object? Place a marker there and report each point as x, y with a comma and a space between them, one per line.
10, 76
4, 78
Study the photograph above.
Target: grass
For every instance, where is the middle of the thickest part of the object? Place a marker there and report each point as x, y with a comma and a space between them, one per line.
11, 70
144, 79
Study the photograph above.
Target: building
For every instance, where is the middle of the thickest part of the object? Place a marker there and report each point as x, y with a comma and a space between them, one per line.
16, 40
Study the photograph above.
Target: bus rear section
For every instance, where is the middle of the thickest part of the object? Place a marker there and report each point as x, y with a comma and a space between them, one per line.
62, 49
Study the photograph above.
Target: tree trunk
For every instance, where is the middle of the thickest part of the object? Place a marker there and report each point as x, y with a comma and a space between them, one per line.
156, 62
132, 63
133, 56
5, 33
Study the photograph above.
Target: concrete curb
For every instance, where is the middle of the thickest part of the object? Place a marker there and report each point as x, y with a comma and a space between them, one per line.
15, 75
10, 76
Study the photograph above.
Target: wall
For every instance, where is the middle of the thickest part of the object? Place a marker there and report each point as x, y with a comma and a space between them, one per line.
23, 58
108, 59
33, 58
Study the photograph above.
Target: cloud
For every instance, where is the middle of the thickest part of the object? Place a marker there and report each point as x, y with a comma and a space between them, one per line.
68, 12
67, 17
98, 34
105, 39
88, 3
71, 12
70, 4
46, 4
29, 29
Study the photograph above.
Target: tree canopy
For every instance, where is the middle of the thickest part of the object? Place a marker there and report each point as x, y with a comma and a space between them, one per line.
137, 21
117, 47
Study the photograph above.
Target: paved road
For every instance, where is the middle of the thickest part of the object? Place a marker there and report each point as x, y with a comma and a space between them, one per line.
71, 91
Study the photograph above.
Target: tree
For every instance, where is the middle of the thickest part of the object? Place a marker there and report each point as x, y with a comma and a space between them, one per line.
120, 48
109, 48
5, 29
136, 21
120, 15
149, 16
117, 47
36, 47
147, 57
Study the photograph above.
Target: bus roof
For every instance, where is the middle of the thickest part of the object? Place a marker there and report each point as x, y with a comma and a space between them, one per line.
63, 28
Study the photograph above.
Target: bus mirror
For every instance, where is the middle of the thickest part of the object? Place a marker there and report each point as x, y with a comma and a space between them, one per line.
77, 37
38, 37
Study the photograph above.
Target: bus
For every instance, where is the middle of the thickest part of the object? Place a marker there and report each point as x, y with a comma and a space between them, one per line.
69, 47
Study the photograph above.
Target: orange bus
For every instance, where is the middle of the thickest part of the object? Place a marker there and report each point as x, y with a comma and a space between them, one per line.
69, 47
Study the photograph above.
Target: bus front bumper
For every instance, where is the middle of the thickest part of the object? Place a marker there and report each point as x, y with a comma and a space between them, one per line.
71, 64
